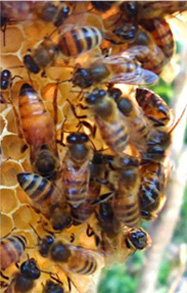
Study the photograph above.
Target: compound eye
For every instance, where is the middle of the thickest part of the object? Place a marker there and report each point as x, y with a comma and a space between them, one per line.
101, 93
91, 99
73, 138
50, 240
115, 93
132, 8
125, 106
6, 73
83, 138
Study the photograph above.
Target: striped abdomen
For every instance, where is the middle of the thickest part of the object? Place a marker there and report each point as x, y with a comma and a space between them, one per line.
81, 262
37, 124
11, 249
162, 34
153, 107
126, 201
151, 187
75, 182
85, 209
79, 40
40, 190
115, 134
151, 58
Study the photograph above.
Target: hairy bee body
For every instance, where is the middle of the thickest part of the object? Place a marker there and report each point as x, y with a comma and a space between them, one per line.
75, 259
154, 107
37, 124
159, 137
151, 190
11, 249
133, 116
52, 12
162, 35
52, 287
76, 169
159, 9
40, 190
79, 40
126, 201
109, 119
137, 10
24, 280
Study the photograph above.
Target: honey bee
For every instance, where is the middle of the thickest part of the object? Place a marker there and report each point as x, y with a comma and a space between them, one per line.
74, 259
151, 190
125, 201
136, 10
52, 287
163, 37
119, 247
24, 280
37, 124
107, 221
46, 196
71, 43
76, 169
102, 6
42, 56
109, 119
154, 107
50, 12
85, 210
138, 124
46, 162
119, 68
11, 249
160, 136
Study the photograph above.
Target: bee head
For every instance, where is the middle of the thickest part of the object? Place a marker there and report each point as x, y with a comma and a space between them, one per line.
60, 252
137, 239
130, 9
30, 270
95, 97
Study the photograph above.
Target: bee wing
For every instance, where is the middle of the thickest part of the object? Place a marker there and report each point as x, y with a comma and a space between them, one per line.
139, 76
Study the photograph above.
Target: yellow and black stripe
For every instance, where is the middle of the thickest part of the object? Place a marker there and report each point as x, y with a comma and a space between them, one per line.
39, 189
82, 262
11, 249
79, 40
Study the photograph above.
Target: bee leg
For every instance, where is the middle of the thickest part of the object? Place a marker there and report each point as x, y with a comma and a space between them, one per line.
74, 111
3, 31
158, 122
89, 231
3, 276
102, 198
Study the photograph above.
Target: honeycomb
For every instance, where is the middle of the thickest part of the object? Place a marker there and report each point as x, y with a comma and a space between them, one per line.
17, 214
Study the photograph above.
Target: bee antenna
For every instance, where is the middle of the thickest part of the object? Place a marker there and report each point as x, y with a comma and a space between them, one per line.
35, 232
18, 66
178, 120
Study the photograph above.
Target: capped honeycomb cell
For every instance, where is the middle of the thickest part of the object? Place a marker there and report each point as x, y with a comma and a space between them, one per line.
8, 200
9, 170
23, 216
12, 125
6, 224
11, 33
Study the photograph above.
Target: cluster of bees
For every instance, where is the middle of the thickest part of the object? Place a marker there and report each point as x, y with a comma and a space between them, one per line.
108, 173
